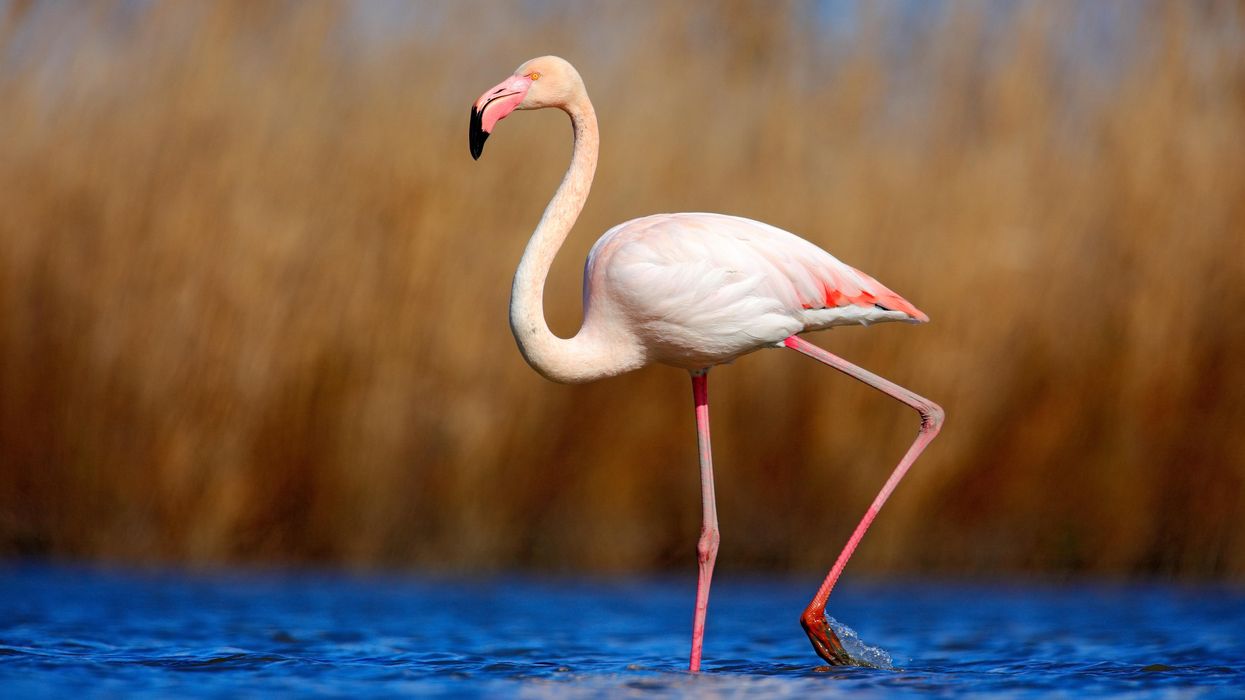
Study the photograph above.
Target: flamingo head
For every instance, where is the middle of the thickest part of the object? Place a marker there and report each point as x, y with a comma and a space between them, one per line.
542, 82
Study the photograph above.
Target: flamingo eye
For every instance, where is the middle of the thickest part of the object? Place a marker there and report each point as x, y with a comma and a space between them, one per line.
534, 75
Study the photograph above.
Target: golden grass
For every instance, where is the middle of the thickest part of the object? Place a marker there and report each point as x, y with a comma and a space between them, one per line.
253, 289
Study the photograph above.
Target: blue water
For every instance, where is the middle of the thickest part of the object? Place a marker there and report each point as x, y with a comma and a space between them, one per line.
114, 633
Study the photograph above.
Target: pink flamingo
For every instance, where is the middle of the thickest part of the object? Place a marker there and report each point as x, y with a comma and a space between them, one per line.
691, 291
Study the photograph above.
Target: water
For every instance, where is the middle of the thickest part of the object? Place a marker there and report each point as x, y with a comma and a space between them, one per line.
108, 633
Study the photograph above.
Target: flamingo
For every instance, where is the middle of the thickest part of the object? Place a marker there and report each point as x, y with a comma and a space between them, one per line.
692, 291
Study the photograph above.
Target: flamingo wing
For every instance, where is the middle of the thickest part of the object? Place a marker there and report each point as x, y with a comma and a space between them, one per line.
717, 286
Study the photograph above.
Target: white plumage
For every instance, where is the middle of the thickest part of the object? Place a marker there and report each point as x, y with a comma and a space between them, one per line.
701, 289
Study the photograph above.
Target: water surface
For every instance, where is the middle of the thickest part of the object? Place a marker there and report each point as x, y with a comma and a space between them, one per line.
115, 633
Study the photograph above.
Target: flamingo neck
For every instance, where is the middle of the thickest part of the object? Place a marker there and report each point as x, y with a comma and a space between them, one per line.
589, 354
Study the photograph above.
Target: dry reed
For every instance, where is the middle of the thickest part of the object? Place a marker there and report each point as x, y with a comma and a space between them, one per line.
253, 289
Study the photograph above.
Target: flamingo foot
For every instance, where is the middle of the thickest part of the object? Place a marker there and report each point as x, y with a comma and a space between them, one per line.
825, 642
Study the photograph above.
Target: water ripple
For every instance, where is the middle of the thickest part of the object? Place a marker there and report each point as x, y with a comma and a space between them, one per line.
78, 631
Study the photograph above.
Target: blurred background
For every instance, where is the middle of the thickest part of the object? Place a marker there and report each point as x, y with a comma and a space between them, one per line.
253, 289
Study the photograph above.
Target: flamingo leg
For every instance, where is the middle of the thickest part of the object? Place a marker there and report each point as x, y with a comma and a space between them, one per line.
824, 640
707, 547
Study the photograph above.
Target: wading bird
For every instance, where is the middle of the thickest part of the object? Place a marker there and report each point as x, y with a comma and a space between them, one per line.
692, 291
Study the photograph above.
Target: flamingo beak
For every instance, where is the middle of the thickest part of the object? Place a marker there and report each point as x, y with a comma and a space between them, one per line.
492, 107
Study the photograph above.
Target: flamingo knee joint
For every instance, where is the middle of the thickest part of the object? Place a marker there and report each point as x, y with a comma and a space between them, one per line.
707, 547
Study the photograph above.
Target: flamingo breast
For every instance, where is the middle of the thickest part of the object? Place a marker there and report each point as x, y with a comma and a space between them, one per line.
702, 289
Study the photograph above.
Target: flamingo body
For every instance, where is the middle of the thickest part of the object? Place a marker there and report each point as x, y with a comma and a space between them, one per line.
692, 291
697, 290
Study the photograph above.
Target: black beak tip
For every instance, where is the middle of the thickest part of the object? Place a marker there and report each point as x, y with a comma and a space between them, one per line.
476, 135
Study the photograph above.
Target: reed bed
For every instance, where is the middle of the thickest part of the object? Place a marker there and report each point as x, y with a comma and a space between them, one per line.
253, 290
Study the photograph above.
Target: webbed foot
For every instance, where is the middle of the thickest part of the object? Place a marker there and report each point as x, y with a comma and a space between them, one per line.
825, 642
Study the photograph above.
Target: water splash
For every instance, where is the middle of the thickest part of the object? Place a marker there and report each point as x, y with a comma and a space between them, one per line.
861, 653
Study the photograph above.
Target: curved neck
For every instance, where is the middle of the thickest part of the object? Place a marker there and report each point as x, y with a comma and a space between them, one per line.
588, 355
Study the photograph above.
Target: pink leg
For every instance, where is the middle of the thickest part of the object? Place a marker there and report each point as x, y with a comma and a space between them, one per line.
825, 642
707, 547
